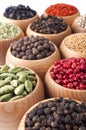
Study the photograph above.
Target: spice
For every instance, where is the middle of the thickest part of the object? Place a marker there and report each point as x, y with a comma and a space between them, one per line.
61, 10
32, 48
8, 31
49, 25
15, 83
57, 114
76, 42
70, 73
81, 21
19, 12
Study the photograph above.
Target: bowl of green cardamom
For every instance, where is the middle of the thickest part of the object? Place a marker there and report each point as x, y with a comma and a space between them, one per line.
20, 88
8, 34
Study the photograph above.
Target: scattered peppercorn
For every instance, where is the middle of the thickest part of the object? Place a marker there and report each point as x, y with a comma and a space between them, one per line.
32, 48
81, 21
52, 120
61, 10
70, 73
49, 25
8, 30
19, 12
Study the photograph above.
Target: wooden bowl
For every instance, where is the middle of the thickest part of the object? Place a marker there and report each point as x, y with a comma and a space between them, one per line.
68, 19
22, 122
56, 38
77, 29
55, 90
21, 23
67, 52
39, 66
5, 43
12, 112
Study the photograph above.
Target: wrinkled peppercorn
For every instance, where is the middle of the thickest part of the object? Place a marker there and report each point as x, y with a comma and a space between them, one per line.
32, 48
51, 120
19, 12
48, 25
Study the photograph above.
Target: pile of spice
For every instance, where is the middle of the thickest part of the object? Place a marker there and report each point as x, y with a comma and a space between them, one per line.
8, 31
19, 12
32, 48
15, 83
76, 42
70, 73
49, 25
61, 10
81, 21
57, 114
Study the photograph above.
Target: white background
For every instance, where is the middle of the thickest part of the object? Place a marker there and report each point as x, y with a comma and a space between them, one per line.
41, 5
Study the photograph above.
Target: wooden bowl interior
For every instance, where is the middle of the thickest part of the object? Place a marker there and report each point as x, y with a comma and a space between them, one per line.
56, 38
39, 66
12, 112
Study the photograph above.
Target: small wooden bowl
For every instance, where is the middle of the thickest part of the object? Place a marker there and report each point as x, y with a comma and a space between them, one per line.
5, 43
77, 29
55, 90
68, 53
12, 112
22, 122
68, 19
39, 66
21, 23
56, 38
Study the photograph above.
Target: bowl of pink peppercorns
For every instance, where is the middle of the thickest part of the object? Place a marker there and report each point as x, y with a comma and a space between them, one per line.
67, 78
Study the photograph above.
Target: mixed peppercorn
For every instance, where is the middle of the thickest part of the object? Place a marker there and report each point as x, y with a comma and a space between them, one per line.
61, 10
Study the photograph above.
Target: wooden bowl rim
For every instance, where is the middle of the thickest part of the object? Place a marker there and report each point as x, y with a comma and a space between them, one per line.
12, 38
77, 25
56, 84
34, 61
58, 34
21, 99
22, 20
68, 16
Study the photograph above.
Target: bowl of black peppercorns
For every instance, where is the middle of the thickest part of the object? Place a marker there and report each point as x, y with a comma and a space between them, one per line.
20, 15
34, 52
51, 27
55, 114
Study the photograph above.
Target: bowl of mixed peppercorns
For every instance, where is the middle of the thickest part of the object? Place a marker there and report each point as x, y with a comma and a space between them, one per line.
20, 15
51, 27
74, 46
20, 88
8, 34
67, 78
55, 114
35, 52
66, 11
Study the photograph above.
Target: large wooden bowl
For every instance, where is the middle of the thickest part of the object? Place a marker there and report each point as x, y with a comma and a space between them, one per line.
22, 122
39, 66
55, 90
12, 112
5, 43
76, 28
68, 19
21, 23
68, 53
56, 38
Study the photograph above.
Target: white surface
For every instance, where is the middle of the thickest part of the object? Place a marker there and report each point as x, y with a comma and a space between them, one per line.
41, 5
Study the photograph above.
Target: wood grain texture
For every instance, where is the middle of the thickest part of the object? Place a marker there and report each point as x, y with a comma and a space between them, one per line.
5, 43
23, 24
39, 66
22, 122
77, 29
55, 90
12, 112
68, 53
56, 38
